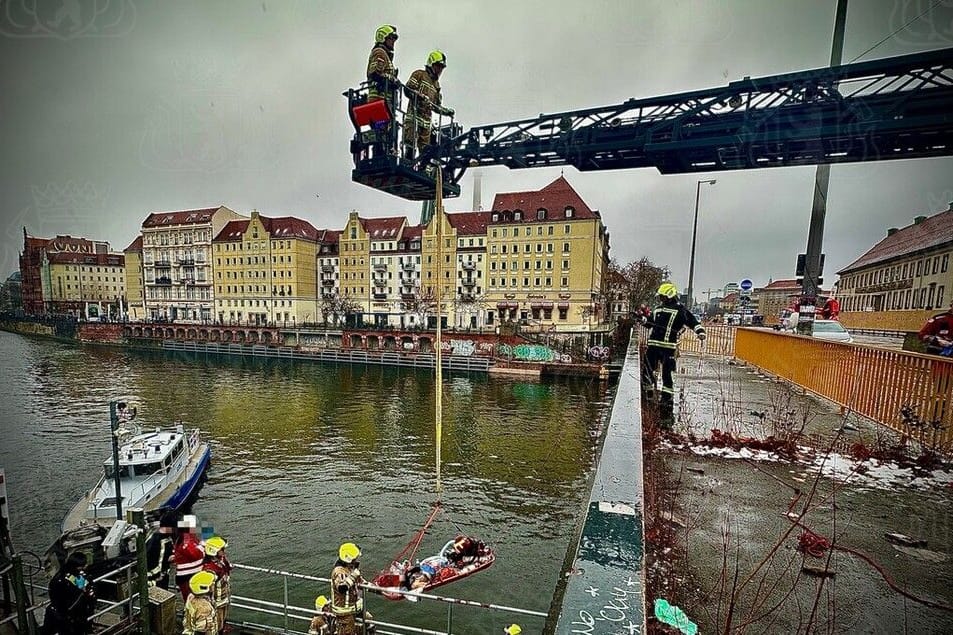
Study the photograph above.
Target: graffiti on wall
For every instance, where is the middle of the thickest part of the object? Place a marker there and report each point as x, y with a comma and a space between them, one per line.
529, 353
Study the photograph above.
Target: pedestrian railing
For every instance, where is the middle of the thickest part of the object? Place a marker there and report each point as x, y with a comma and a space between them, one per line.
907, 392
291, 618
719, 340
110, 617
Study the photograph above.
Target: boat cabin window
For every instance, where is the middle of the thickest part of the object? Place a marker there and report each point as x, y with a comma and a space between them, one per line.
124, 471
145, 469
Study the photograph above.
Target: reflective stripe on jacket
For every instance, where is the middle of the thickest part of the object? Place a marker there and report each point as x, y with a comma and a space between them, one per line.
667, 321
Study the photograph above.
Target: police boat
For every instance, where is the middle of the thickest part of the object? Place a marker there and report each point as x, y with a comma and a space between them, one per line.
157, 469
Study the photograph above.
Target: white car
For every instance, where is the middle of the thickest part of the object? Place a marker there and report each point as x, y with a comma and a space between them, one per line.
831, 330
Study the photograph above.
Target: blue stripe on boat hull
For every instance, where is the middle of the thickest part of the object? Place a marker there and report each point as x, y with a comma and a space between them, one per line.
186, 490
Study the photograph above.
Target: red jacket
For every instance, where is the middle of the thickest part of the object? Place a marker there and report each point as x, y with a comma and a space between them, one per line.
937, 326
189, 556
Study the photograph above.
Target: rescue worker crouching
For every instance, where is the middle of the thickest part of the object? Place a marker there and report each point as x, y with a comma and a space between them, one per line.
216, 562
666, 322
346, 595
323, 622
423, 94
200, 615
512, 629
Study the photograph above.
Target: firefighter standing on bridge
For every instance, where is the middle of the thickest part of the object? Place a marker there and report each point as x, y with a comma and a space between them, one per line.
423, 94
346, 601
666, 322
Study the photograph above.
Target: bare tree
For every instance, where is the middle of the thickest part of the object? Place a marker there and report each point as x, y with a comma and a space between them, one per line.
638, 280
335, 306
421, 303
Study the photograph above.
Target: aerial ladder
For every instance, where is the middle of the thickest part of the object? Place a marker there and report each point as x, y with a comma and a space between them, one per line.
885, 109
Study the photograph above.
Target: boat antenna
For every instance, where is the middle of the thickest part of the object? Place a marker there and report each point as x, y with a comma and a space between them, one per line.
120, 412
438, 401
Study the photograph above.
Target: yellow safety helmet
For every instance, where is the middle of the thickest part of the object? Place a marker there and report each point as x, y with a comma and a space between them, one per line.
513, 629
214, 544
202, 582
385, 31
349, 552
668, 290
436, 57
320, 602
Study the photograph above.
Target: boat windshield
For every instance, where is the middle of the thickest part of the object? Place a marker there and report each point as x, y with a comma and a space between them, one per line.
124, 471
145, 469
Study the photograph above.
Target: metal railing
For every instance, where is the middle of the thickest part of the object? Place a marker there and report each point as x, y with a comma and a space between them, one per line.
874, 382
289, 613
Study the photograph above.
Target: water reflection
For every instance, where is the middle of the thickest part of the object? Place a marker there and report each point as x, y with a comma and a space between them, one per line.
306, 456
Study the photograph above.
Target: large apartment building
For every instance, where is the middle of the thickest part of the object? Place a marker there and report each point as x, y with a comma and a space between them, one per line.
266, 271
908, 270
84, 285
547, 253
177, 262
35, 279
537, 257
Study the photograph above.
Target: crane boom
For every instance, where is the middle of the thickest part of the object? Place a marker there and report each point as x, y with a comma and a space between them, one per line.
891, 108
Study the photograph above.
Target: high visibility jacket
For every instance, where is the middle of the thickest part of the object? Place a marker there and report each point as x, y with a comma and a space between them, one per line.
381, 74
345, 594
667, 321
423, 93
158, 551
188, 556
200, 616
222, 569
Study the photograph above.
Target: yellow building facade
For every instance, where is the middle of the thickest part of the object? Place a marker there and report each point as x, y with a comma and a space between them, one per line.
135, 307
266, 271
91, 285
548, 253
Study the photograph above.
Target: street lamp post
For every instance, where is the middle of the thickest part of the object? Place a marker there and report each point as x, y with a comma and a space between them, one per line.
691, 265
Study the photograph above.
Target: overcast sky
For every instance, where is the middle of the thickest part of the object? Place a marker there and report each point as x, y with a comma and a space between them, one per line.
151, 106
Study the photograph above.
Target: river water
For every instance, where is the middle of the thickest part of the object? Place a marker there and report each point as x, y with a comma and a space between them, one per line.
306, 456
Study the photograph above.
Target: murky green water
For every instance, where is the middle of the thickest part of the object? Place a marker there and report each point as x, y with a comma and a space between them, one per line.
306, 456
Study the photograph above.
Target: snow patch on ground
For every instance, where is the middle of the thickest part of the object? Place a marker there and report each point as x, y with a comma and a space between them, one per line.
876, 474
870, 473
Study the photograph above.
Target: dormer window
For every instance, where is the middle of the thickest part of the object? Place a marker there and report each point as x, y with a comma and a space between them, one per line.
495, 217
570, 211
541, 213
517, 214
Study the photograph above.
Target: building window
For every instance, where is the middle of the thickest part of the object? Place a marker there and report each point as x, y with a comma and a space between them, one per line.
939, 295
562, 313
945, 264
541, 213
569, 211
565, 248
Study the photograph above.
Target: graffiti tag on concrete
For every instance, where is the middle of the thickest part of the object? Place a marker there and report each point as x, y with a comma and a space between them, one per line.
462, 347
533, 353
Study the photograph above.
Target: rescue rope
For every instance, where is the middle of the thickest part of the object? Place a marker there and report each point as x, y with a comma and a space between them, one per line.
410, 550
816, 545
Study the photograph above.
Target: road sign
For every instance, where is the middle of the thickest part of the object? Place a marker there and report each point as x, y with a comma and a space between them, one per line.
746, 285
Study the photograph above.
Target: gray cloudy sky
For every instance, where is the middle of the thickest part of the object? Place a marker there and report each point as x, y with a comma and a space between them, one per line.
110, 110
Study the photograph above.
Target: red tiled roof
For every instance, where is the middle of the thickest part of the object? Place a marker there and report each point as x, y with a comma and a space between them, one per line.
181, 217
555, 198
69, 258
135, 245
412, 231
383, 228
934, 231
277, 228
331, 236
470, 223
781, 284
